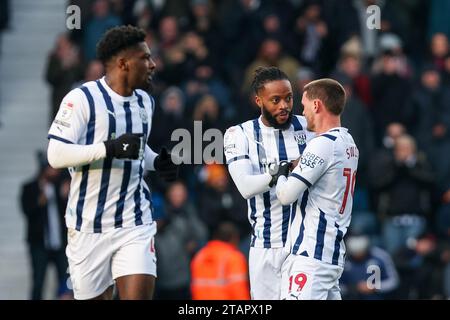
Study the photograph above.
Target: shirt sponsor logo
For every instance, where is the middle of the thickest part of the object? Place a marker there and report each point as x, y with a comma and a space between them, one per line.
311, 160
63, 123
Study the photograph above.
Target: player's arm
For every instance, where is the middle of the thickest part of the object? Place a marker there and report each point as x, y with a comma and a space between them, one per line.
150, 157
314, 162
240, 167
64, 155
69, 124
163, 163
248, 184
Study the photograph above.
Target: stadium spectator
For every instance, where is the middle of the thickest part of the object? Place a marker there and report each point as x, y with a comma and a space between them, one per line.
219, 270
349, 65
64, 69
102, 19
369, 272
170, 114
439, 50
405, 186
310, 36
270, 53
43, 201
219, 201
388, 91
429, 115
180, 234
422, 266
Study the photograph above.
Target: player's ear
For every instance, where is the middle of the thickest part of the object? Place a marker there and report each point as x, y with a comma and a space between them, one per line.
258, 101
316, 105
122, 63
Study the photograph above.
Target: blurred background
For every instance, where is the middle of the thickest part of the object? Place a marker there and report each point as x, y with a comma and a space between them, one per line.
397, 78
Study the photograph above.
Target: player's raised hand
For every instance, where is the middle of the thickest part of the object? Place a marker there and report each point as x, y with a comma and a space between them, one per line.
277, 170
125, 147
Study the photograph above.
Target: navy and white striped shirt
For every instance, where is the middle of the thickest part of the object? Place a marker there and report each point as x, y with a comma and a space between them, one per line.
328, 168
108, 193
255, 142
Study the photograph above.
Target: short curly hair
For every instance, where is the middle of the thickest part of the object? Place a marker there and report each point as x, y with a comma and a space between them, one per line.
118, 39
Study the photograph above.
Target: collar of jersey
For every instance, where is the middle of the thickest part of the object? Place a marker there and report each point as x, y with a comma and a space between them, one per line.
113, 94
337, 128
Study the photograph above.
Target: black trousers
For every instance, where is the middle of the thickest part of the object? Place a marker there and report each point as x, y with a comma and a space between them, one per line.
40, 258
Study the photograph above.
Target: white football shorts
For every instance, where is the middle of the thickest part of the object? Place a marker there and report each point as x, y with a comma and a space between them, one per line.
306, 278
265, 272
97, 259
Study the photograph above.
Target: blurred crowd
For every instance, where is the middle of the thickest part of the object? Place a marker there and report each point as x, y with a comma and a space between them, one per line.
397, 79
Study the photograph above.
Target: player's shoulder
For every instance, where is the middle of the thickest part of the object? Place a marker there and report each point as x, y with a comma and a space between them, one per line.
301, 120
326, 138
89, 85
323, 143
348, 136
147, 98
79, 96
238, 128
144, 94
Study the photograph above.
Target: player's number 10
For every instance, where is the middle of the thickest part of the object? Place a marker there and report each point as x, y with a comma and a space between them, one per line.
351, 179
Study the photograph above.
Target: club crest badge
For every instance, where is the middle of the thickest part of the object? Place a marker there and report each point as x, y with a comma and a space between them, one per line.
300, 138
143, 115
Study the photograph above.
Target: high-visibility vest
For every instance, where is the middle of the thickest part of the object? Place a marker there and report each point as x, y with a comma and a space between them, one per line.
219, 272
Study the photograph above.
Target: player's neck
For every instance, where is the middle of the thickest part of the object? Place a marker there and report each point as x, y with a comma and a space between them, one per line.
118, 85
327, 124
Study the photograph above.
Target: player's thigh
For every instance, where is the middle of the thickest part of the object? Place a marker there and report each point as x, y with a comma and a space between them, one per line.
265, 273
89, 257
334, 293
285, 274
136, 287
335, 273
304, 280
134, 251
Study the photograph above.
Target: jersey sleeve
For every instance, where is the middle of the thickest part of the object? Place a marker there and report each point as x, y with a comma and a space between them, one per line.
240, 167
71, 120
150, 157
315, 160
235, 145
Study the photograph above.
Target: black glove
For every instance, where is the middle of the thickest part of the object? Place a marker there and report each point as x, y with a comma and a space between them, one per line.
277, 170
126, 146
166, 169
